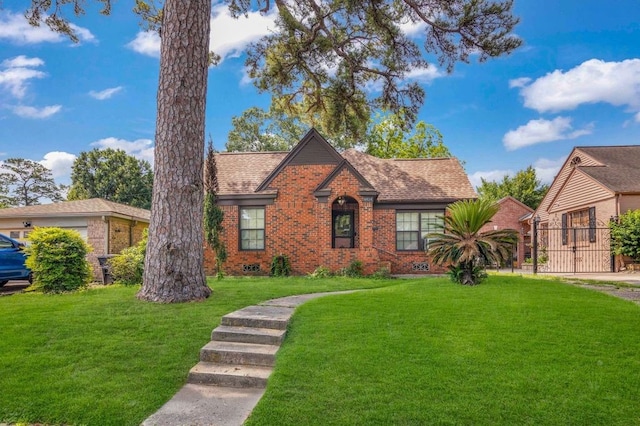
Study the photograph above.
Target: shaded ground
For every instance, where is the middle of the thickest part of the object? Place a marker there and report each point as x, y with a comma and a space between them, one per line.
13, 287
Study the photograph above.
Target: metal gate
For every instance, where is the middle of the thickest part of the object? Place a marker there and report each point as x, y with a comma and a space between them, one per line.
572, 250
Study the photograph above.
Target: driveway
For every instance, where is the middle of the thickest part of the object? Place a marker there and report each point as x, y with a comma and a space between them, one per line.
13, 287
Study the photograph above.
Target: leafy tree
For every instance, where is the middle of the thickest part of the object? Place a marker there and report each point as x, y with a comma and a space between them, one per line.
524, 187
387, 138
321, 60
464, 247
259, 130
25, 182
625, 235
213, 214
113, 175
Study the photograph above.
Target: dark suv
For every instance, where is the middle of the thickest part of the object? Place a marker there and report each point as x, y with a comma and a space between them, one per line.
12, 257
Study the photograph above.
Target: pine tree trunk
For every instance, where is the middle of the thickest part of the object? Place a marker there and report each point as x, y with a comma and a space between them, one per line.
174, 269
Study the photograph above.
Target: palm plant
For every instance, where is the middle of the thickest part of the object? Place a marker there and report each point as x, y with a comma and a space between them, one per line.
464, 247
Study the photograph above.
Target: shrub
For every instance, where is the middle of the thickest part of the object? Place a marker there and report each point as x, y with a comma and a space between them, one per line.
127, 267
280, 266
464, 273
382, 273
354, 270
320, 272
58, 260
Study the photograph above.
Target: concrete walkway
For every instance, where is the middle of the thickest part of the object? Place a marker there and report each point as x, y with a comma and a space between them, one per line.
205, 405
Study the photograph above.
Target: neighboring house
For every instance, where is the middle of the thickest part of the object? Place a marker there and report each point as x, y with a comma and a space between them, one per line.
108, 227
514, 215
595, 185
323, 208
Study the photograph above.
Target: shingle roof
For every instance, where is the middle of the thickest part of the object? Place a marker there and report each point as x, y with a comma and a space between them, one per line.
90, 207
620, 170
395, 180
242, 172
413, 179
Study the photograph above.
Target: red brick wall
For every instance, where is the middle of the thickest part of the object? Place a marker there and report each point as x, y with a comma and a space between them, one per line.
507, 218
300, 226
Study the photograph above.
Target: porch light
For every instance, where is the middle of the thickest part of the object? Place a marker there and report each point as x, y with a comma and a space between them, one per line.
341, 200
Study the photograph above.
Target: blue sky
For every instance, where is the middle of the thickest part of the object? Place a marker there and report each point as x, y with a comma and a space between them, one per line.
575, 82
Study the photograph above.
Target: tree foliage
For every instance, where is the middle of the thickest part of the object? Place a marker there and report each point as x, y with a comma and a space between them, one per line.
213, 214
259, 130
463, 246
113, 175
25, 182
524, 187
387, 138
625, 235
326, 56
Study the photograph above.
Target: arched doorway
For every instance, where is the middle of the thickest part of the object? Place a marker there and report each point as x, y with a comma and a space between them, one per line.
343, 223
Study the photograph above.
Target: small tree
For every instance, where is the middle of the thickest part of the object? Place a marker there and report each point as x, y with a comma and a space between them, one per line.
625, 235
213, 215
464, 247
58, 259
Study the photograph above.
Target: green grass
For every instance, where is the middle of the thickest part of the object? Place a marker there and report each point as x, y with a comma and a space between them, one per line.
101, 357
512, 351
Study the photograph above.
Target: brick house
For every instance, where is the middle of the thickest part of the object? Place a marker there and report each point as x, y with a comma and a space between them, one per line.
106, 226
595, 185
513, 214
324, 208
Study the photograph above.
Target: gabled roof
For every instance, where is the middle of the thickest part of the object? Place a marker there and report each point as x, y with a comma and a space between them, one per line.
396, 180
90, 207
427, 179
620, 167
364, 184
312, 149
511, 199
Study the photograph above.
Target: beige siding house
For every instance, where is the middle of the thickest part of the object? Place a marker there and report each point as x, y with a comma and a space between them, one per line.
108, 227
595, 185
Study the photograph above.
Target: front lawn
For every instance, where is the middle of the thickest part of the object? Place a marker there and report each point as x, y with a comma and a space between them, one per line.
510, 351
101, 357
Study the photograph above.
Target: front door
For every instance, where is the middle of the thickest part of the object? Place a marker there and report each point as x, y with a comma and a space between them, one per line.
343, 232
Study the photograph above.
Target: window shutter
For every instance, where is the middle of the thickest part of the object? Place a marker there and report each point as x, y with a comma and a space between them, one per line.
564, 229
592, 224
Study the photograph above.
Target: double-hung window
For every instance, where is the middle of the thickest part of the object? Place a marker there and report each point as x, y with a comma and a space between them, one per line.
413, 227
252, 228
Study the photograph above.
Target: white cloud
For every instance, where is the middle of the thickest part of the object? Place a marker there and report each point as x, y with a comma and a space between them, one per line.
140, 148
541, 130
105, 94
229, 37
17, 72
593, 81
489, 176
38, 113
146, 43
519, 82
59, 163
546, 169
15, 28
424, 75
